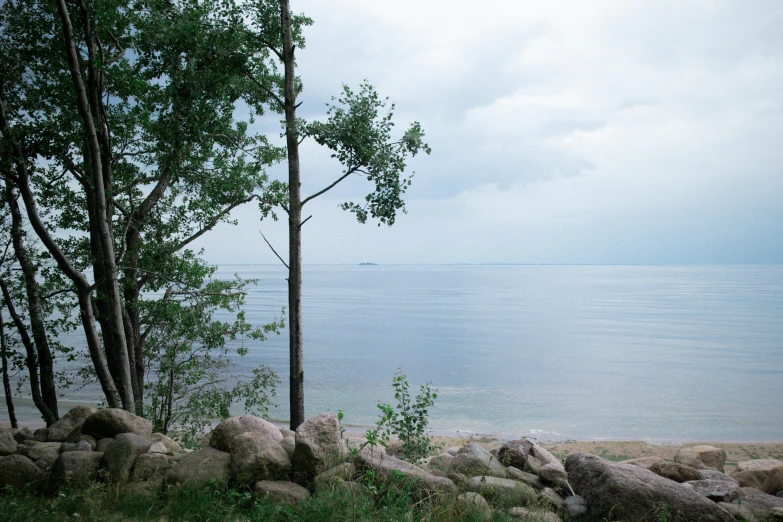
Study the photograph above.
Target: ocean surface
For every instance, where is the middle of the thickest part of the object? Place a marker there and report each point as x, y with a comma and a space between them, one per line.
659, 353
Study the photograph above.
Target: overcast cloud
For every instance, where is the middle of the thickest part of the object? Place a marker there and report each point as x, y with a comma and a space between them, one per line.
562, 132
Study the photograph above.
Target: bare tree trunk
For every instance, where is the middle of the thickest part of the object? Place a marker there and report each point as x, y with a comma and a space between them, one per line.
294, 226
9, 399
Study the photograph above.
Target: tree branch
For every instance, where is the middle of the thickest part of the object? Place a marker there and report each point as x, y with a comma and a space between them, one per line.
265, 88
330, 187
273, 250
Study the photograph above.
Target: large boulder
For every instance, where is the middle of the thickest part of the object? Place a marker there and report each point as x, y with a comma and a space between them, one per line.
471, 502
515, 452
440, 463
524, 476
473, 459
542, 463
717, 490
121, 454
644, 462
759, 503
200, 466
224, 433
111, 422
76, 468
502, 492
281, 492
674, 471
172, 446
319, 446
46, 452
289, 445
18, 471
700, 457
255, 456
391, 470
151, 467
60, 430
343, 472
774, 483
627, 492
8, 444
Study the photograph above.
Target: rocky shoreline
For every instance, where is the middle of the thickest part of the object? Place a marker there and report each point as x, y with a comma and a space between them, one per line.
519, 477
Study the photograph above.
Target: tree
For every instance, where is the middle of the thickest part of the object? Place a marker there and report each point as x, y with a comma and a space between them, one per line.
357, 133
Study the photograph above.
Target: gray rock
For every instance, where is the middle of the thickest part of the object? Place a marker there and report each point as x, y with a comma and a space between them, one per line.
515, 452
158, 447
151, 467
200, 466
774, 483
45, 451
460, 480
344, 472
551, 497
440, 463
542, 463
121, 454
82, 445
40, 435
554, 473
501, 492
453, 450
675, 472
255, 456
8, 444
575, 506
111, 422
758, 465
527, 478
288, 444
319, 446
717, 490
474, 503
711, 474
388, 469
643, 462
59, 431
172, 446
224, 433
739, 512
702, 456
281, 492
19, 471
23, 435
76, 468
473, 459
285, 432
627, 492
759, 503
102, 444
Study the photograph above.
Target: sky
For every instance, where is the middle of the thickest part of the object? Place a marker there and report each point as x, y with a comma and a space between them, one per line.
601, 132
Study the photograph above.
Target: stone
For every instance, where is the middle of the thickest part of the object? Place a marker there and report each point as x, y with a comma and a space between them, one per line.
759, 503
82, 445
453, 450
711, 474
554, 473
527, 478
551, 497
319, 446
674, 471
643, 462
19, 471
531, 515
76, 468
224, 433
45, 451
151, 467
473, 459
776, 514
774, 483
460, 480
345, 472
515, 452
474, 503
440, 462
717, 490
111, 422
501, 492
121, 454
542, 463
757, 465
739, 511
158, 447
59, 431
628, 492
285, 432
519, 512
700, 457
8, 443
102, 444
389, 470
288, 444
23, 435
575, 506
256, 456
172, 446
40, 435
281, 492
200, 466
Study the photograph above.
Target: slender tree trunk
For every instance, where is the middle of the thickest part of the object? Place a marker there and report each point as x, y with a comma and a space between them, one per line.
9, 399
45, 359
294, 226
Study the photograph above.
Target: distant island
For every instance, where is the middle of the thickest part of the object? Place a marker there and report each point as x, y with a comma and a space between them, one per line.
368, 264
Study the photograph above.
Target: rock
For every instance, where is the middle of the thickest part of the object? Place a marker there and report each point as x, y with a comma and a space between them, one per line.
700, 457
519, 512
285, 432
674, 471
527, 478
774, 483
200, 466
777, 514
172, 446
75, 435
151, 467
319, 446
531, 515
23, 435
345, 471
121, 454
502, 492
390, 469
643, 462
224, 433
751, 478
542, 463
111, 422
474, 503
453, 450
40, 435
440, 463
256, 456
758, 465
159, 448
279, 492
738, 511
45, 451
628, 492
288, 444
474, 459
515, 452
554, 473
759, 503
8, 443
76, 468
102, 444
551, 497
711, 474
460, 480
717, 490
82, 445
575, 506
18, 471
59, 431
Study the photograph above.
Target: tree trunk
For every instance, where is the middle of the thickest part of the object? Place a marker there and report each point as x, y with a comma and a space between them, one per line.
9, 400
294, 226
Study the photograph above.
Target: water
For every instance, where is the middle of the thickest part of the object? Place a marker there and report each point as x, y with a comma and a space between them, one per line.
661, 353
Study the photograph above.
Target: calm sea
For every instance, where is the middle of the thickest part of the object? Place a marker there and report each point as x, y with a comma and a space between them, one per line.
661, 353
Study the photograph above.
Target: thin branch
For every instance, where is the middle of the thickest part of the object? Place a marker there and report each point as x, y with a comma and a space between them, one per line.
272, 48
305, 221
265, 88
273, 250
209, 226
57, 292
330, 187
